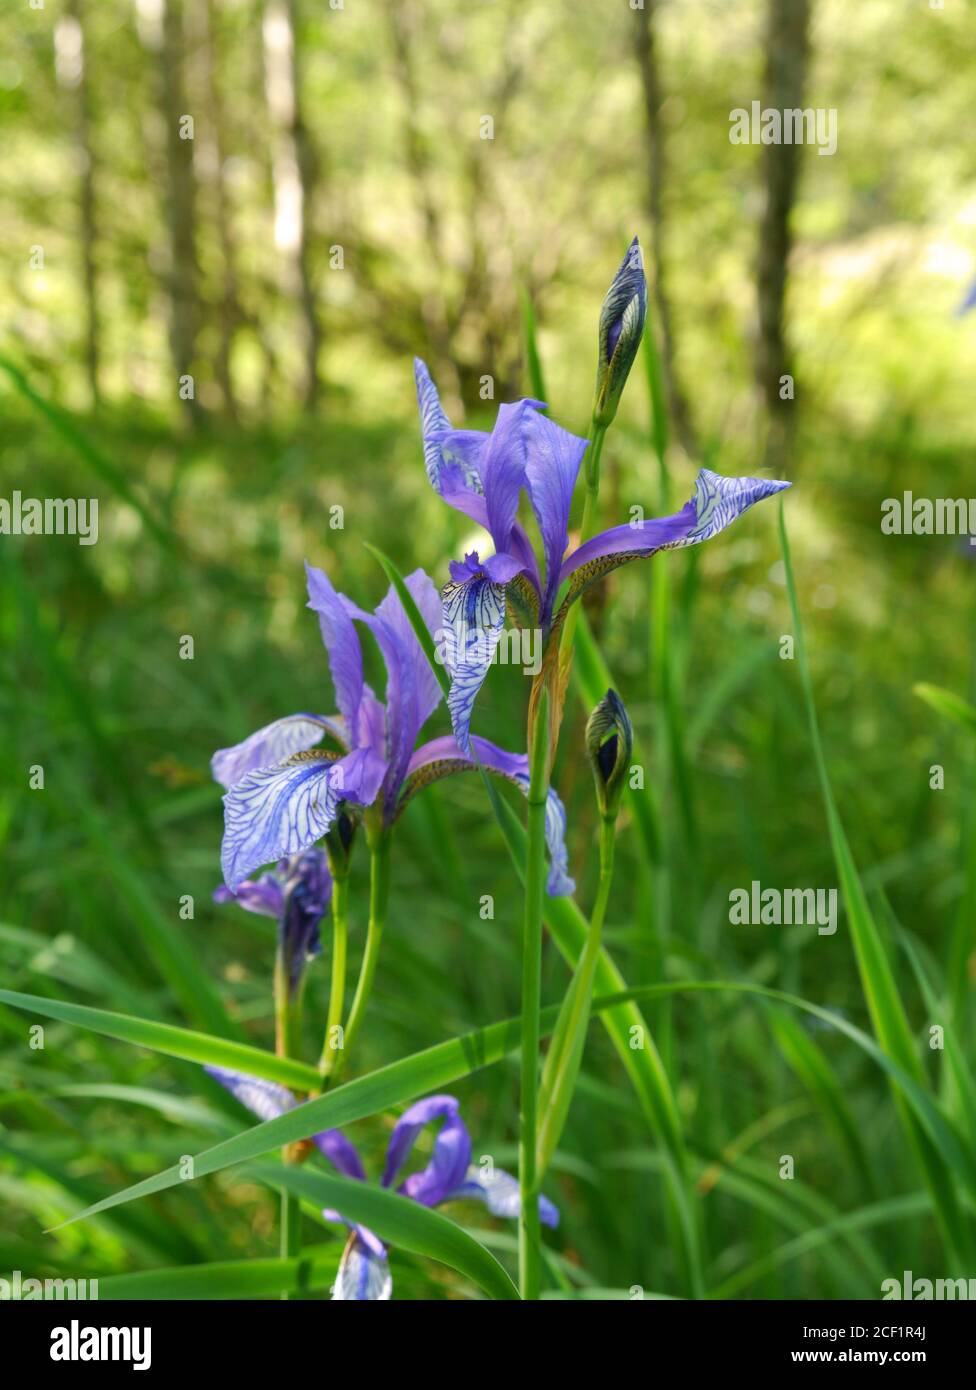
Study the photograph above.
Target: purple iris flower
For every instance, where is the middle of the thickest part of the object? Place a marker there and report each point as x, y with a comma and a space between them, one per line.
297, 895
483, 476
284, 793
364, 1270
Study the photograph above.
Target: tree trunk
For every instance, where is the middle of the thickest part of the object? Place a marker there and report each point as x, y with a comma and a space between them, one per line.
160, 24
294, 176
656, 170
212, 157
403, 25
787, 55
71, 67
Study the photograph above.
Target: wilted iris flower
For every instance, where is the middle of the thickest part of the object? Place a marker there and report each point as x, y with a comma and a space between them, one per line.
284, 793
297, 894
483, 476
364, 1270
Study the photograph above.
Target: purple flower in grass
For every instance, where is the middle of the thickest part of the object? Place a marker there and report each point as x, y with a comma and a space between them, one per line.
364, 1270
484, 476
297, 894
284, 793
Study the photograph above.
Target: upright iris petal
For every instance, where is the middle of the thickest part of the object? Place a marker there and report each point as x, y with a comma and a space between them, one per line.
342, 644
527, 451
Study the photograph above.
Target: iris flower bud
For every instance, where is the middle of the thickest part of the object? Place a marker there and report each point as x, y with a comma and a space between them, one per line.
609, 743
621, 327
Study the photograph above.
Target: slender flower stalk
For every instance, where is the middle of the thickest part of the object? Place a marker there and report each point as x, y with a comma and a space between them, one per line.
530, 1250
297, 896
609, 740
287, 1026
337, 986
591, 475
379, 893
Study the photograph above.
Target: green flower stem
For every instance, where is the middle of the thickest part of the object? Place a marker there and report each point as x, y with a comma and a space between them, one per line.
565, 1053
337, 990
591, 501
379, 894
530, 1254
288, 1017
592, 476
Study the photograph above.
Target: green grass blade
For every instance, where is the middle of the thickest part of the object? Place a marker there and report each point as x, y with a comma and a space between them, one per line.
946, 703
813, 1069
86, 450
183, 1043
315, 1268
533, 362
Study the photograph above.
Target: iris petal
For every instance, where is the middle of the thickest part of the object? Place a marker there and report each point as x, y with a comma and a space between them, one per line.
273, 744
451, 1156
363, 1274
442, 757
263, 895
342, 644
716, 503
412, 691
265, 1099
473, 618
341, 1153
451, 457
553, 458
278, 811
500, 1193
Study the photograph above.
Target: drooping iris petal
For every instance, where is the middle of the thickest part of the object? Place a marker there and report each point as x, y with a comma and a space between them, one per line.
277, 811
341, 1153
559, 884
273, 744
552, 464
306, 896
342, 644
265, 1099
473, 618
719, 500
442, 757
716, 503
262, 895
450, 1158
363, 1273
500, 1193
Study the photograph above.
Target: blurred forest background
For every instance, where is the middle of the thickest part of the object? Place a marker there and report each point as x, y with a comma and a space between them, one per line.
284, 202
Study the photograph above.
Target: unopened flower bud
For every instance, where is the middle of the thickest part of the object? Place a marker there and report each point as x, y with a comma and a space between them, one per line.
621, 329
609, 743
